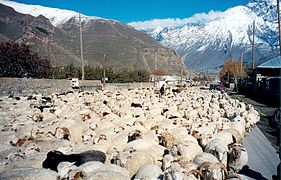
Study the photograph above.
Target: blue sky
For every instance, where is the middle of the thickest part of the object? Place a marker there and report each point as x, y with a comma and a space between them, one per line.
139, 10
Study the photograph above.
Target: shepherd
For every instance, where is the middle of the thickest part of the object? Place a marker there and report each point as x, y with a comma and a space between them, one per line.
162, 90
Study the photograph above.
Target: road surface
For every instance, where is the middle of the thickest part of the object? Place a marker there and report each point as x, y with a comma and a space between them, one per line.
263, 158
260, 144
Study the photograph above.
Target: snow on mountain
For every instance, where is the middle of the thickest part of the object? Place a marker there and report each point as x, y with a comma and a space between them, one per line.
56, 16
204, 40
207, 45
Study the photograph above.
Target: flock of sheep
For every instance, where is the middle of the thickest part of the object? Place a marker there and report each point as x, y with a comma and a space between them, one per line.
187, 133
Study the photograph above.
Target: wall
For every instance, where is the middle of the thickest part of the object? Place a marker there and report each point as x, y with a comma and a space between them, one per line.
29, 86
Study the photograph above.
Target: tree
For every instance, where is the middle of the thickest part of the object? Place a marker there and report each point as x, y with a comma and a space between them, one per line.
158, 72
17, 60
232, 70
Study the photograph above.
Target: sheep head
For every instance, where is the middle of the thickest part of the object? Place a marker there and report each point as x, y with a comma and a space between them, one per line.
53, 159
37, 117
205, 139
135, 135
101, 138
213, 171
64, 168
61, 133
77, 175
235, 150
86, 117
167, 139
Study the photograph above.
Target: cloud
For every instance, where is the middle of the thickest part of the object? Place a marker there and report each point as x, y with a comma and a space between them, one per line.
170, 22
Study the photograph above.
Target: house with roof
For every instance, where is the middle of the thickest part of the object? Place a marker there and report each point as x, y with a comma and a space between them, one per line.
267, 79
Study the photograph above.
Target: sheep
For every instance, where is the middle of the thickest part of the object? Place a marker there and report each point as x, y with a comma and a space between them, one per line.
235, 135
133, 161
219, 149
208, 167
149, 171
136, 105
174, 172
28, 174
237, 157
167, 161
64, 168
110, 118
224, 136
37, 117
218, 171
186, 151
107, 174
67, 170
204, 157
60, 133
204, 139
55, 157
88, 136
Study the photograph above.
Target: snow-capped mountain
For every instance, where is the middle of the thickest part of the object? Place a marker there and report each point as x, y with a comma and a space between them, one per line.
56, 16
207, 45
55, 33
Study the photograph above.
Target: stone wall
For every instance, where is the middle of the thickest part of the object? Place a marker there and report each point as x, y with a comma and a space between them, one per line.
29, 86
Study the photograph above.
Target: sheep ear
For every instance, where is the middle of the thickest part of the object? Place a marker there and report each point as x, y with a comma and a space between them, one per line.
72, 163
57, 152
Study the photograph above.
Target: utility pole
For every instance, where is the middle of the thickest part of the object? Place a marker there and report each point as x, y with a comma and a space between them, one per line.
278, 15
103, 64
253, 46
156, 71
241, 63
81, 48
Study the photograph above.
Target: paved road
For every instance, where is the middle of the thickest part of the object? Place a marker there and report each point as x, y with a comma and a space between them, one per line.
266, 112
263, 158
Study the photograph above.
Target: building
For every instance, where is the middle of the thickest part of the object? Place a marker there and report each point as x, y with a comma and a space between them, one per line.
267, 78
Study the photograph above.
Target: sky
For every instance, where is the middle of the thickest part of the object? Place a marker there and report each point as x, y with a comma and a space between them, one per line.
131, 11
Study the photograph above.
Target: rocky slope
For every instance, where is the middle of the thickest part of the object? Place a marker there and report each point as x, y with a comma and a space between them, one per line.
56, 35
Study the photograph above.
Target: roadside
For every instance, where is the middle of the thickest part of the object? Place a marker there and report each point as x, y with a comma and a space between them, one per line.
266, 112
261, 143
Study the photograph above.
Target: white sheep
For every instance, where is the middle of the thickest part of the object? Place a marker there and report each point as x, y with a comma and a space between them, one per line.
238, 157
29, 174
219, 149
149, 171
133, 161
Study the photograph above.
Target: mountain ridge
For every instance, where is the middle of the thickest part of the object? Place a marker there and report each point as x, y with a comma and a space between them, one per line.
206, 46
123, 45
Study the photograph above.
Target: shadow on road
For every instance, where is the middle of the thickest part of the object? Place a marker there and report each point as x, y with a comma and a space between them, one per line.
251, 173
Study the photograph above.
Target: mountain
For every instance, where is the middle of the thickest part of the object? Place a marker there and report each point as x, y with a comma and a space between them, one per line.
55, 33
205, 46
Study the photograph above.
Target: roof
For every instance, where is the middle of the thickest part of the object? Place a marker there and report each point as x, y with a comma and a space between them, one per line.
274, 63
171, 78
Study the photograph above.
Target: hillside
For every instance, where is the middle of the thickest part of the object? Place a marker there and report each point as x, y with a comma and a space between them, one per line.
124, 46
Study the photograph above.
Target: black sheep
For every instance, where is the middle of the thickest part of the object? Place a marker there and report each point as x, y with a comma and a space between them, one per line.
176, 91
55, 157
135, 105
